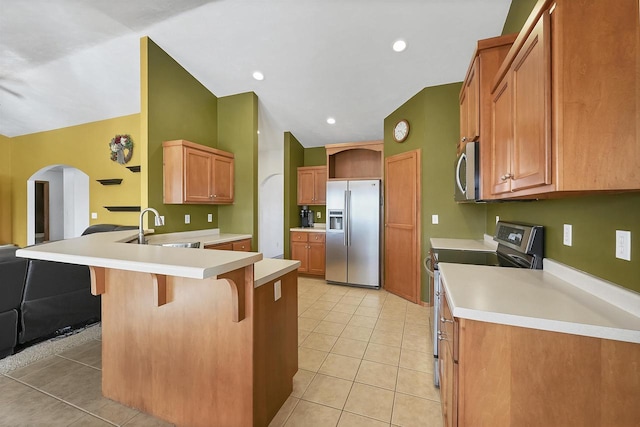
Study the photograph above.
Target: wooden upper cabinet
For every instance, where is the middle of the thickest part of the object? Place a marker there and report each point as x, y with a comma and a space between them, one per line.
196, 174
531, 154
574, 127
502, 138
521, 142
470, 107
355, 160
312, 185
476, 101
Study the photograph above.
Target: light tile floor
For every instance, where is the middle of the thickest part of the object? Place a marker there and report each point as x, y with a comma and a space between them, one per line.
365, 359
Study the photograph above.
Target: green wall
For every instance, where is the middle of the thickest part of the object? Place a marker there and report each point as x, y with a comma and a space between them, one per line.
518, 14
433, 116
238, 134
177, 106
316, 156
293, 158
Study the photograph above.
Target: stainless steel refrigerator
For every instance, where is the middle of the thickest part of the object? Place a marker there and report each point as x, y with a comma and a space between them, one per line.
353, 233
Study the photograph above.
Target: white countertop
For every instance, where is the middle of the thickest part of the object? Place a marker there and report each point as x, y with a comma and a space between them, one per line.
271, 268
486, 245
541, 300
309, 229
110, 250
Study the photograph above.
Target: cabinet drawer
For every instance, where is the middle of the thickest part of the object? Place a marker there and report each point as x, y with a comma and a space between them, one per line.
220, 246
316, 237
242, 245
299, 236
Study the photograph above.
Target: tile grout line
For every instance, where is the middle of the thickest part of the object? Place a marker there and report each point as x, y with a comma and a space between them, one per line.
78, 362
64, 401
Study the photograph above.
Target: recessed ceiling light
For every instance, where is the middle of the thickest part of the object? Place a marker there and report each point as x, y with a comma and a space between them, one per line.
399, 45
258, 75
331, 121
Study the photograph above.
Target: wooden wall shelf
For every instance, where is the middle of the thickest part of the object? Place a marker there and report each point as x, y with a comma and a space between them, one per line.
134, 168
123, 208
110, 181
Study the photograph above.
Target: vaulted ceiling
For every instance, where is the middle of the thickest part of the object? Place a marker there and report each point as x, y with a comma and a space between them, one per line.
68, 62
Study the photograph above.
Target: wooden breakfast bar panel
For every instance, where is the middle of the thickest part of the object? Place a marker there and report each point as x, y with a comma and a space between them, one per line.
185, 361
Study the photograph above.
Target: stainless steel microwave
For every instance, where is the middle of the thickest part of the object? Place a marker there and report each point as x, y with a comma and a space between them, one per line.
467, 174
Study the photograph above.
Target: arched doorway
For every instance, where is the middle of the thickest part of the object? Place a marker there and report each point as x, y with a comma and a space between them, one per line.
57, 203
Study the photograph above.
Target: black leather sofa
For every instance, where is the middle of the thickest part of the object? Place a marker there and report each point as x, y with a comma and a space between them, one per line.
40, 299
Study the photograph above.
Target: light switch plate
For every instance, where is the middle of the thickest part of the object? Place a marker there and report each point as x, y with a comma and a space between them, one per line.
434, 219
623, 245
567, 236
209, 217
94, 215
277, 290
187, 219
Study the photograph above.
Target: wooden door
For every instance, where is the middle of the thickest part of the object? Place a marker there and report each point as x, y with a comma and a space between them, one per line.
305, 187
222, 179
402, 225
502, 137
531, 156
197, 179
320, 187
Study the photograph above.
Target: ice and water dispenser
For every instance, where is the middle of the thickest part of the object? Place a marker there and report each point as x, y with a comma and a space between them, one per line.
336, 220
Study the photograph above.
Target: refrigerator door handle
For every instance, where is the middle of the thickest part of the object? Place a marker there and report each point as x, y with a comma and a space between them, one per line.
349, 217
346, 218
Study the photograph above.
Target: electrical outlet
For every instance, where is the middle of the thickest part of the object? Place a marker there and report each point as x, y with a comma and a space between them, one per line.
209, 217
623, 245
434, 219
567, 235
187, 219
318, 215
94, 215
277, 290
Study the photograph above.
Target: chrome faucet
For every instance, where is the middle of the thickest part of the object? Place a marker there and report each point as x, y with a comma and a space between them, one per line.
159, 221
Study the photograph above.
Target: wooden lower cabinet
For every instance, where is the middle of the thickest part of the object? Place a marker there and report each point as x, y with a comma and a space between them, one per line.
239, 245
500, 375
309, 249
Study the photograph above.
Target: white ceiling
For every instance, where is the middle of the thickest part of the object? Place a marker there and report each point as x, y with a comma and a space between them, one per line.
68, 62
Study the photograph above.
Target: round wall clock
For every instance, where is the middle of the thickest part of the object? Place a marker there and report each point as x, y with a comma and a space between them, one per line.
401, 131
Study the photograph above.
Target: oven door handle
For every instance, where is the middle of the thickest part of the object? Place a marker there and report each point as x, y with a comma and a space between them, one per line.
427, 266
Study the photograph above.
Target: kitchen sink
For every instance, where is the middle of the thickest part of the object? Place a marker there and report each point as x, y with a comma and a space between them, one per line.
181, 244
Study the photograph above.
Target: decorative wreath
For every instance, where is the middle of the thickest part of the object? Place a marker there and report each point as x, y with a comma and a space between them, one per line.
118, 145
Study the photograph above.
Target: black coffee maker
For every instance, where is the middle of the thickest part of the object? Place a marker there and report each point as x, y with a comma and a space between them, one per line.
306, 217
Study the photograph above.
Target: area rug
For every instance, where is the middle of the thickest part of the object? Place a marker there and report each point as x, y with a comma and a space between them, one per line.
50, 347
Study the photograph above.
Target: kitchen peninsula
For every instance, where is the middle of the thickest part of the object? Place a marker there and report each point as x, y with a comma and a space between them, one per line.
197, 337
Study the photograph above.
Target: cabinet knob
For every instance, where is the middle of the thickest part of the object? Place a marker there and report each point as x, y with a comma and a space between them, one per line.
443, 320
506, 176
464, 139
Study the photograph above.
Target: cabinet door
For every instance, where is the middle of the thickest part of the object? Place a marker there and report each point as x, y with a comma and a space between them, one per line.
316, 258
305, 187
222, 177
300, 252
197, 179
502, 137
320, 187
531, 75
473, 100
